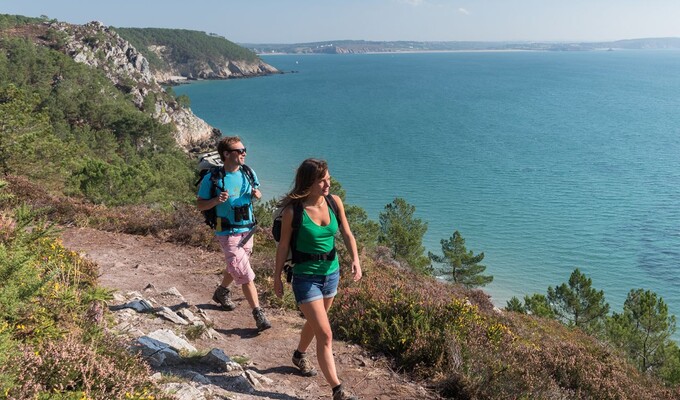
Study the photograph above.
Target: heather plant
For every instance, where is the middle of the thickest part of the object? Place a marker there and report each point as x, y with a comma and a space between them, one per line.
386, 313
48, 346
75, 367
448, 335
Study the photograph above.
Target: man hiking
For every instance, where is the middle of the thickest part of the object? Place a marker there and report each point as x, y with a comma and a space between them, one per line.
231, 193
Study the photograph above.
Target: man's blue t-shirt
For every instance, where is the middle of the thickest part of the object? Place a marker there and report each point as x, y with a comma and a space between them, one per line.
240, 193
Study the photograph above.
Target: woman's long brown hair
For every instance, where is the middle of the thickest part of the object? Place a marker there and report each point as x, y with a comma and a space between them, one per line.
310, 171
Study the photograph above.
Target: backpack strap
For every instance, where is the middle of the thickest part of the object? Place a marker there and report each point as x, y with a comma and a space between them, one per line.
250, 177
248, 173
333, 206
297, 222
216, 175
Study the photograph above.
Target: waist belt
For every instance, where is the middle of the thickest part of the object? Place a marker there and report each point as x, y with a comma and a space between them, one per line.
299, 257
223, 224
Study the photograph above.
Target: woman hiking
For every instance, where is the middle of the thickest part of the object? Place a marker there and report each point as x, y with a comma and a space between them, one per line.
316, 270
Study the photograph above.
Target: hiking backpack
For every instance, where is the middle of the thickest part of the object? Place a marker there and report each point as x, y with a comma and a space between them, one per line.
211, 163
295, 256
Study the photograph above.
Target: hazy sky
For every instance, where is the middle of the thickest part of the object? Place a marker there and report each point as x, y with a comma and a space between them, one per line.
289, 21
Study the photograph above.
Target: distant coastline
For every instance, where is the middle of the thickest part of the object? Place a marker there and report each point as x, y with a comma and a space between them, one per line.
410, 52
375, 47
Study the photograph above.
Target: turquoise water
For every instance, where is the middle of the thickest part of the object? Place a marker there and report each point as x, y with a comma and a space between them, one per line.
543, 161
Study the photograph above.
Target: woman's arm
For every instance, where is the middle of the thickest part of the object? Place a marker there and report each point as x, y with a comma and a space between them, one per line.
282, 248
349, 240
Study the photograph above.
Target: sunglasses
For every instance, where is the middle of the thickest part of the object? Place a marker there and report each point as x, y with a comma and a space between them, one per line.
239, 151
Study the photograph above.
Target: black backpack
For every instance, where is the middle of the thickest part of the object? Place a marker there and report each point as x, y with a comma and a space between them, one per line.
210, 163
297, 256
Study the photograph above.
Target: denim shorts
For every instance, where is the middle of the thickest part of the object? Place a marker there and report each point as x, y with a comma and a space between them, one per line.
308, 288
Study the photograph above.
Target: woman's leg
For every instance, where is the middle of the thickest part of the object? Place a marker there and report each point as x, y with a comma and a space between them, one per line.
307, 333
317, 323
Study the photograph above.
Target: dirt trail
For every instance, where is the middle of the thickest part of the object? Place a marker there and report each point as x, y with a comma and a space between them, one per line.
130, 263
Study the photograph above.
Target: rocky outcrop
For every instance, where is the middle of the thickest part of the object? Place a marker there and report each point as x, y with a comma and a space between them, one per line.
225, 69
99, 47
158, 325
216, 68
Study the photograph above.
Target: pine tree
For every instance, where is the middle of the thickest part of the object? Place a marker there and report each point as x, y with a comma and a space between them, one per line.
578, 303
538, 304
403, 234
515, 305
465, 267
644, 329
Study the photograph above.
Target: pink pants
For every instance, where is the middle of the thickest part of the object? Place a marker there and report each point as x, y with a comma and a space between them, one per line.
238, 258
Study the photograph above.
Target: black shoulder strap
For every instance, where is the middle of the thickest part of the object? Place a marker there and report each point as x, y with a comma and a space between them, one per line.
216, 174
297, 222
248, 172
333, 206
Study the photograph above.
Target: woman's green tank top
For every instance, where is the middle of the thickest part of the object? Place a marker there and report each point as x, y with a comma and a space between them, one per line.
316, 239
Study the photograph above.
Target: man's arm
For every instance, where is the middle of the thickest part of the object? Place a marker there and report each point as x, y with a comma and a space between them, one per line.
207, 204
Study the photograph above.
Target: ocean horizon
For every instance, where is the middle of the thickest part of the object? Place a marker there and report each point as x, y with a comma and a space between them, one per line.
544, 161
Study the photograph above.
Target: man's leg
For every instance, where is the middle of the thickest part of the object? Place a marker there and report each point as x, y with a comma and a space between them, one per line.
227, 279
250, 293
222, 294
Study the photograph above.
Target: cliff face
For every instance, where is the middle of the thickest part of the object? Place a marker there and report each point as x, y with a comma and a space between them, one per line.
180, 54
221, 68
98, 46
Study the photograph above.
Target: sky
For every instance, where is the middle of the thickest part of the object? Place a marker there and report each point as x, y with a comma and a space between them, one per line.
299, 21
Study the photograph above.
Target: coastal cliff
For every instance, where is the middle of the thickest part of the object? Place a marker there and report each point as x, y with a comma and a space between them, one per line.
139, 77
101, 47
176, 55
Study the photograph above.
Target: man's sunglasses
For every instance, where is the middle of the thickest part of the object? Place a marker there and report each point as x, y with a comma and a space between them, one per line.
239, 151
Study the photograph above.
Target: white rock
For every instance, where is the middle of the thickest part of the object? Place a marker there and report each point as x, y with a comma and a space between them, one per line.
171, 340
171, 316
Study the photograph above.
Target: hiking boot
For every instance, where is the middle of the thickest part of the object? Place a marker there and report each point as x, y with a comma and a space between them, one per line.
261, 320
342, 394
305, 366
222, 295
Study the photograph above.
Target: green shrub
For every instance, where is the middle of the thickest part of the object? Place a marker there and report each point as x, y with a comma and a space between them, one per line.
48, 346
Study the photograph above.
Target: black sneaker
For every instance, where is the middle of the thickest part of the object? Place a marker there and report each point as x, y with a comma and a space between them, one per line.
261, 320
222, 296
305, 366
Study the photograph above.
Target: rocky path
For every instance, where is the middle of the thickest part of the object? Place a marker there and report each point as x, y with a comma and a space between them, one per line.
149, 266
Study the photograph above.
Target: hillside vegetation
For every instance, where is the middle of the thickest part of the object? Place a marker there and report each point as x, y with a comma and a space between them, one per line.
185, 45
66, 126
193, 54
75, 149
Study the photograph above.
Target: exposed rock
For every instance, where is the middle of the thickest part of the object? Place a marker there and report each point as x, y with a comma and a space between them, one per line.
100, 47
140, 305
171, 340
173, 292
218, 359
183, 391
198, 378
156, 352
257, 379
171, 316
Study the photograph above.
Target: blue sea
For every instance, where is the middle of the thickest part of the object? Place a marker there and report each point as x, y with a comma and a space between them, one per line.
544, 161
